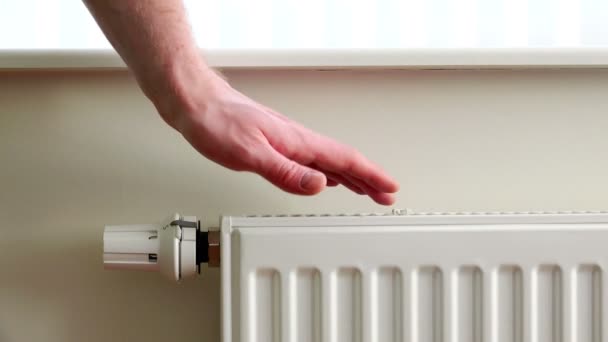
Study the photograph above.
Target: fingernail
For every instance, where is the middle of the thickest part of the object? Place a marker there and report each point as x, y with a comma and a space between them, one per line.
310, 180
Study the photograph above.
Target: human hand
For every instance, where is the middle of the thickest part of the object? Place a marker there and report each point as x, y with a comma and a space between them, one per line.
238, 133
156, 43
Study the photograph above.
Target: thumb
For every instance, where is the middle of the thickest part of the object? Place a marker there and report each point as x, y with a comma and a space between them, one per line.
289, 175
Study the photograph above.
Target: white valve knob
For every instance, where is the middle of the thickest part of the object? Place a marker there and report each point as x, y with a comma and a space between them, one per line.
168, 248
133, 247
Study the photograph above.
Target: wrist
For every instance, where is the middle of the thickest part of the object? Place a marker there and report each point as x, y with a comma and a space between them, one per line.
185, 86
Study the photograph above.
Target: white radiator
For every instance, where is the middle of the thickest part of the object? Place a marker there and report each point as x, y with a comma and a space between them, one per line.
415, 278
388, 278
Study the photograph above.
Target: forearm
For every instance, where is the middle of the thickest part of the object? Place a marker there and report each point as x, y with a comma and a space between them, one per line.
154, 39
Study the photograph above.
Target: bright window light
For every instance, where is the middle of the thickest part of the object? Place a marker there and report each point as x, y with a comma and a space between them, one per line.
284, 24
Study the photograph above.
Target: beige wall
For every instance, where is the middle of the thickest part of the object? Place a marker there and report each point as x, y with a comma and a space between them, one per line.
80, 150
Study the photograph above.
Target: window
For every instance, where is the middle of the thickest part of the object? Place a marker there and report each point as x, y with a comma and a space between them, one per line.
66, 24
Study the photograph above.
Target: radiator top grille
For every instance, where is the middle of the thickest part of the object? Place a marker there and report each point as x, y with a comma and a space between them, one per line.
409, 212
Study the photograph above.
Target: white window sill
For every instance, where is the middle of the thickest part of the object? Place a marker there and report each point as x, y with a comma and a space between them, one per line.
331, 58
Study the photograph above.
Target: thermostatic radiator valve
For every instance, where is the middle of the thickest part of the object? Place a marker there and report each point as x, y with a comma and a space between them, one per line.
175, 248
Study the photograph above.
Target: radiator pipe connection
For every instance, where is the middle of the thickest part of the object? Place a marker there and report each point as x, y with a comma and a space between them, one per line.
208, 247
176, 248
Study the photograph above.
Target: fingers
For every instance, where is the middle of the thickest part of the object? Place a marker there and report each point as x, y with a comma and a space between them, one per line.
289, 175
329, 162
341, 159
346, 183
382, 198
331, 182
361, 188
295, 178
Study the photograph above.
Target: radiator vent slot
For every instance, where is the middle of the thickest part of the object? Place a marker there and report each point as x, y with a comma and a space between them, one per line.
307, 313
266, 299
346, 312
427, 299
507, 288
388, 317
468, 305
588, 310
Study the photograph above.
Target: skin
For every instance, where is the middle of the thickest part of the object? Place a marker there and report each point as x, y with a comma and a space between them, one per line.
154, 39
